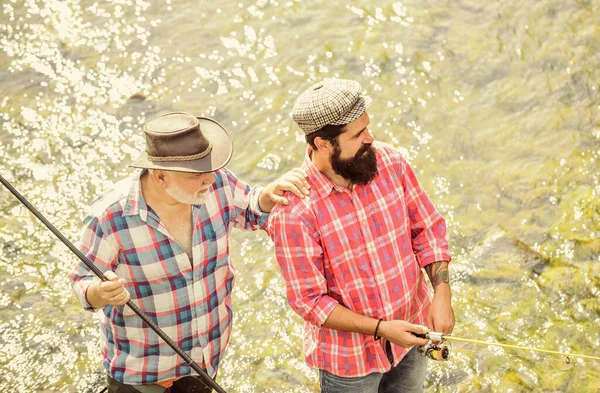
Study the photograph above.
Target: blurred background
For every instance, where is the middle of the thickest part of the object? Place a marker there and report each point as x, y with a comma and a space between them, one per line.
494, 103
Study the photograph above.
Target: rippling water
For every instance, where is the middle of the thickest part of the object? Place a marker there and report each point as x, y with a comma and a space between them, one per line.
495, 103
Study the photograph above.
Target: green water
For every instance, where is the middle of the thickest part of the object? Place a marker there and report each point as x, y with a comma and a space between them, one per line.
495, 103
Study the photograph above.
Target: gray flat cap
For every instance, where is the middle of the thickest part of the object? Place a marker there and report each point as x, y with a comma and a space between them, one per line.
332, 101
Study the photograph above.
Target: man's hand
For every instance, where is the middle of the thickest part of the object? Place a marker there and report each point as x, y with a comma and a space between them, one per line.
111, 292
293, 181
441, 316
400, 332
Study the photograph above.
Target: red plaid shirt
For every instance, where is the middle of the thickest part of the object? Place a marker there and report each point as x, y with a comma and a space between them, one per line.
363, 249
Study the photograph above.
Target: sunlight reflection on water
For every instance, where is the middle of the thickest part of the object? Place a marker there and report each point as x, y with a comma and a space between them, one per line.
495, 105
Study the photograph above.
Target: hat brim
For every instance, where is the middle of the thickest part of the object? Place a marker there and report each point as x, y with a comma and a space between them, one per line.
219, 156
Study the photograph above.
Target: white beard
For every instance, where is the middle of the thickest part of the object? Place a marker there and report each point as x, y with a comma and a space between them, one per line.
182, 197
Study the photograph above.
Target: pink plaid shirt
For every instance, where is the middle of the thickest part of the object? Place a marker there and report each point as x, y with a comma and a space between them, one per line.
363, 249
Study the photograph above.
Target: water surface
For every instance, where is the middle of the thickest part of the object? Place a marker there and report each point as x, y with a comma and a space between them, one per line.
496, 105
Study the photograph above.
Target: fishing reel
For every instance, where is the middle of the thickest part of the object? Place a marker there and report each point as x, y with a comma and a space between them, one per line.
436, 349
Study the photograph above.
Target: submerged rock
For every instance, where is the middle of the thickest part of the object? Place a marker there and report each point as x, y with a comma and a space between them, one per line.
503, 259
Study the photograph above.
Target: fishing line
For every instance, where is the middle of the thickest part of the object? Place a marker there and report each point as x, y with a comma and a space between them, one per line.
474, 353
441, 338
567, 355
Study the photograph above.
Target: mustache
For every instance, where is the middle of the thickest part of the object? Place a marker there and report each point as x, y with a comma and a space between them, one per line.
198, 193
365, 148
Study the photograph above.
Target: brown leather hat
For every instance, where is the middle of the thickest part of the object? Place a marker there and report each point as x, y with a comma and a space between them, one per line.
181, 142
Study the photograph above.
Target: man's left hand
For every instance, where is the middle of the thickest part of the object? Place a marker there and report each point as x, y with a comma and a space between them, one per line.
293, 181
441, 316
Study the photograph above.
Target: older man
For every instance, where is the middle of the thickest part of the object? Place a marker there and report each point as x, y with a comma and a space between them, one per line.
161, 236
351, 252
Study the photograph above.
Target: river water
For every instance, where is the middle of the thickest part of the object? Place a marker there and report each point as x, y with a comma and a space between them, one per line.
496, 104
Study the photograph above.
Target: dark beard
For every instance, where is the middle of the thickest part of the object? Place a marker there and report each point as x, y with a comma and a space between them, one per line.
360, 169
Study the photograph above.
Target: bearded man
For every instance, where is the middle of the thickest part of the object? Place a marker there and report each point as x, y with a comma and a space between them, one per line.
162, 238
351, 252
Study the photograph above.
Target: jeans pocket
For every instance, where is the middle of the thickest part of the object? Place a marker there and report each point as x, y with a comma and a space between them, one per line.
331, 383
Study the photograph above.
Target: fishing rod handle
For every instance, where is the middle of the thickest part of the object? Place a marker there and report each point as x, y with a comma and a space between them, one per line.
433, 336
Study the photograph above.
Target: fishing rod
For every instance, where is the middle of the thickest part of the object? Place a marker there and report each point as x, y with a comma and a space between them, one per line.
204, 378
437, 349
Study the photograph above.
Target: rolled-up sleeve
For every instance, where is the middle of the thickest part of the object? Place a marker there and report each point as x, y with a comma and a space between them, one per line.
248, 215
300, 258
101, 250
427, 226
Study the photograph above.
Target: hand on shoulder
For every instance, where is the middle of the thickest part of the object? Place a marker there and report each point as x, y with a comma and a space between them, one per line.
293, 181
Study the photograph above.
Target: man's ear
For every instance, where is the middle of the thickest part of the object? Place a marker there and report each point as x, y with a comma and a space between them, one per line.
323, 145
159, 176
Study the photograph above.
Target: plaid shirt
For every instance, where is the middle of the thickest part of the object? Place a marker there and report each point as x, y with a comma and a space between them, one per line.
191, 302
363, 249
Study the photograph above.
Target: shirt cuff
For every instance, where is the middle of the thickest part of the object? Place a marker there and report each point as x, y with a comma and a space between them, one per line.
261, 216
323, 309
428, 257
81, 289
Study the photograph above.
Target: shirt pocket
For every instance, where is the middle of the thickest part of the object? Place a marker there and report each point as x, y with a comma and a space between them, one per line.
214, 246
215, 230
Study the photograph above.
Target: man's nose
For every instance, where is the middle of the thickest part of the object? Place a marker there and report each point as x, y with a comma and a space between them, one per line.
368, 138
209, 179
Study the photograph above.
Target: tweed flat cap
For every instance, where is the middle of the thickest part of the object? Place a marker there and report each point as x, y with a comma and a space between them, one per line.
332, 101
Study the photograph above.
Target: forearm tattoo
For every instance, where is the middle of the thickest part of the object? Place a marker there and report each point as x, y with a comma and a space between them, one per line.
438, 273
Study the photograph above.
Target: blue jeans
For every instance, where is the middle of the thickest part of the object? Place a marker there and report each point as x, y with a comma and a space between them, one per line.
407, 377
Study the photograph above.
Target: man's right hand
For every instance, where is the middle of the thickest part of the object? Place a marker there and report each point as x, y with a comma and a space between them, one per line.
400, 333
111, 292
